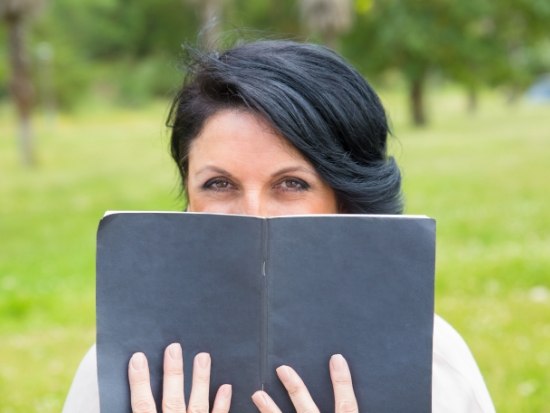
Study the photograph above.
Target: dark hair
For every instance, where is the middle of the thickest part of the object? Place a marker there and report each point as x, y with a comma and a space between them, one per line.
314, 99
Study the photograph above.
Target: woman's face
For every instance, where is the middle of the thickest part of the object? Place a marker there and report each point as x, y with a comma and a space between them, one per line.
239, 165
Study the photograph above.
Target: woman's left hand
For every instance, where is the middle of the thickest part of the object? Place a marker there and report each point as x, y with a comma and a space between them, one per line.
344, 396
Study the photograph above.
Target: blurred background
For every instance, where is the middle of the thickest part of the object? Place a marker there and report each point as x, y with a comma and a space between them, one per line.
85, 87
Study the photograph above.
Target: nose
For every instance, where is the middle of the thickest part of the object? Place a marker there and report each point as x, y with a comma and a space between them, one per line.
254, 203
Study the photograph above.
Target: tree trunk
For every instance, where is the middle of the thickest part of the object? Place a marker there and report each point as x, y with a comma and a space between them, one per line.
211, 13
330, 39
46, 93
21, 86
512, 95
473, 100
416, 96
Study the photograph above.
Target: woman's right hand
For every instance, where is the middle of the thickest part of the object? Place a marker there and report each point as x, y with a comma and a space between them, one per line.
173, 397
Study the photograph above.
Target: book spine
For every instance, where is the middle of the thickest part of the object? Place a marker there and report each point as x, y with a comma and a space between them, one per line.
265, 304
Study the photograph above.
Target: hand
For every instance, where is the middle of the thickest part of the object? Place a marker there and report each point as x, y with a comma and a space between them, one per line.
173, 398
344, 396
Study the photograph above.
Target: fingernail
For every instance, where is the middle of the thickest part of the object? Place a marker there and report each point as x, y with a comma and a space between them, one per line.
225, 390
284, 373
203, 359
338, 362
260, 399
174, 350
138, 361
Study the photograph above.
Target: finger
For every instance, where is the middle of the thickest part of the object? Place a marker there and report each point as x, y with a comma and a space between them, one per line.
173, 400
141, 396
223, 399
198, 401
297, 390
344, 396
264, 403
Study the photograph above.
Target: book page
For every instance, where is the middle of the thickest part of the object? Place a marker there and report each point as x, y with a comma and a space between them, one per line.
188, 278
361, 287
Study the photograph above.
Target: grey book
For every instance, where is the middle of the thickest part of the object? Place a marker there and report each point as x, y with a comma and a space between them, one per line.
257, 293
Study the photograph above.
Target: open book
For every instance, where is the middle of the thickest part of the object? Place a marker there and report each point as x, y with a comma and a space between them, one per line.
257, 293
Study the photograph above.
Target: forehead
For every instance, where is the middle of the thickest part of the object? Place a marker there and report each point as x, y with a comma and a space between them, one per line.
240, 134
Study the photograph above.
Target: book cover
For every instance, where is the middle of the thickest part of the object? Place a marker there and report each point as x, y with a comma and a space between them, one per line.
257, 293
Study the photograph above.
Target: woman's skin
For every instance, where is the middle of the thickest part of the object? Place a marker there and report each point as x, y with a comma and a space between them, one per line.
239, 165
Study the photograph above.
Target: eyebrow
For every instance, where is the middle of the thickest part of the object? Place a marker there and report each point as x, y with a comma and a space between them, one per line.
211, 168
294, 169
290, 169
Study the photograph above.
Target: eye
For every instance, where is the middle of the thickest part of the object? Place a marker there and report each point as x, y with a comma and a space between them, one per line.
293, 185
218, 184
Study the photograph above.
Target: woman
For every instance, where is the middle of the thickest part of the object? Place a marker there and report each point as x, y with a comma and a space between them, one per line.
282, 128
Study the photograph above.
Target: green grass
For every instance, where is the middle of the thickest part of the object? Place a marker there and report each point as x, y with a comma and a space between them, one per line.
483, 177
48, 218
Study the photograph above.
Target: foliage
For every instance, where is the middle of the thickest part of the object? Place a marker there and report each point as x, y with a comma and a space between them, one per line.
4, 92
262, 18
475, 42
89, 35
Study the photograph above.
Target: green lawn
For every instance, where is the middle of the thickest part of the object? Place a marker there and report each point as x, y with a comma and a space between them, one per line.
485, 178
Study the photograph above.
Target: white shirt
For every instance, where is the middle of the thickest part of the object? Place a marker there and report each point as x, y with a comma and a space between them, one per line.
457, 384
